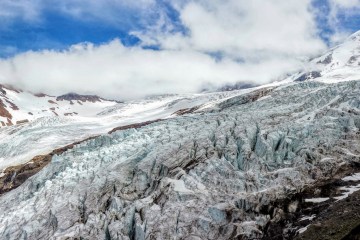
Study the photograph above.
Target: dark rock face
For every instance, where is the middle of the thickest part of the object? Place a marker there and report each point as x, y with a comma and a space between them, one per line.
317, 217
52, 102
3, 111
237, 86
353, 59
246, 98
12, 105
40, 95
337, 221
22, 121
327, 60
2, 90
186, 111
78, 97
9, 87
308, 76
17, 175
134, 126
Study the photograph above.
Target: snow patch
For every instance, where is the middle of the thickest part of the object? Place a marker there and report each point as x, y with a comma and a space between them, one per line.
316, 200
347, 191
301, 230
354, 177
179, 186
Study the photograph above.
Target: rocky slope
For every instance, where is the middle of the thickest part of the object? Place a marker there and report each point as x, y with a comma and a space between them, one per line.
218, 173
337, 217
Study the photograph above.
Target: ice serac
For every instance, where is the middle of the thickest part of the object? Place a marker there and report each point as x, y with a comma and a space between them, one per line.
213, 174
39, 131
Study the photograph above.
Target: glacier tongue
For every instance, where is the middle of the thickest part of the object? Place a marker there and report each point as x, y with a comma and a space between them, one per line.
44, 133
201, 176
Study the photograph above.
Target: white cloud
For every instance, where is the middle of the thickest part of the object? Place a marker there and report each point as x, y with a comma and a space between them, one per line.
115, 71
346, 3
258, 41
24, 9
241, 27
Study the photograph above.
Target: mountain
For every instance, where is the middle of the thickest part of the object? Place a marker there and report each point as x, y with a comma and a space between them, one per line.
237, 86
279, 161
17, 106
340, 63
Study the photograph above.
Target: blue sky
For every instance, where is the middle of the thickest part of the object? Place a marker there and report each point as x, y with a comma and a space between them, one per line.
58, 30
347, 19
136, 48
54, 29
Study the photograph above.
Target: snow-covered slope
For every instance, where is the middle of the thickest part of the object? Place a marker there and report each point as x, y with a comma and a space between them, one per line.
17, 106
342, 63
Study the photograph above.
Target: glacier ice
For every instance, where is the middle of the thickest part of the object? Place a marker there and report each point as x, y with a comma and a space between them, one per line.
206, 175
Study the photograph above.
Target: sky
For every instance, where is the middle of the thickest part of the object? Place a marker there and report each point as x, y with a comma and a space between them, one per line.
127, 49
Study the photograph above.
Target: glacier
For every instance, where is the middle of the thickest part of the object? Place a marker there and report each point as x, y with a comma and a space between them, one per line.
45, 132
212, 174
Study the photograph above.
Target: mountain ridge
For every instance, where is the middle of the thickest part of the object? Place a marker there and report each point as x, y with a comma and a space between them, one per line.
18, 106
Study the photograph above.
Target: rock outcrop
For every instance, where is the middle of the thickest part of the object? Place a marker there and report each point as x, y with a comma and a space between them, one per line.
78, 97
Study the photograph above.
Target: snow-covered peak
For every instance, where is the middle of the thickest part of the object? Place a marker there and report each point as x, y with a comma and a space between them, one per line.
341, 63
355, 35
17, 106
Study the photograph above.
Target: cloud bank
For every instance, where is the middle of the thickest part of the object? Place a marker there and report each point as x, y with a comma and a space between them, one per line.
218, 42
120, 72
